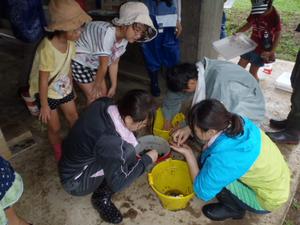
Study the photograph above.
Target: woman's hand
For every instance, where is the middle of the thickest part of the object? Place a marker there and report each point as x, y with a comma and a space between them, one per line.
181, 135
184, 149
153, 155
45, 113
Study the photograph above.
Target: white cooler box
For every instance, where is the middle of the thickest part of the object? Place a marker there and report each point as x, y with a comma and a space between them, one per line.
283, 82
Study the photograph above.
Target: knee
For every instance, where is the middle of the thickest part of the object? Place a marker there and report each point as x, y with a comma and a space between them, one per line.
54, 129
72, 117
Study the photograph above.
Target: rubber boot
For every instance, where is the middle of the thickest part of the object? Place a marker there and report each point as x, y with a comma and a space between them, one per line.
278, 124
155, 90
101, 200
225, 209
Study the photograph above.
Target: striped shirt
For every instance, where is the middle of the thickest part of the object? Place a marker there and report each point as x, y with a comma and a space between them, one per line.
98, 39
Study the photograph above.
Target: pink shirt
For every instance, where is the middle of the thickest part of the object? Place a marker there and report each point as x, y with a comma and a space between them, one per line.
121, 128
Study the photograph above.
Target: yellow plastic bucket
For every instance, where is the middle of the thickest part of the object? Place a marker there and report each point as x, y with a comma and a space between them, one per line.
159, 123
172, 182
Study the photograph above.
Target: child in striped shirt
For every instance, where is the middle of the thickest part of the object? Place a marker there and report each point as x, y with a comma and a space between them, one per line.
102, 44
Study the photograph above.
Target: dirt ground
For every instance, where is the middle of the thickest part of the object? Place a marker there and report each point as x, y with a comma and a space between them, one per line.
44, 202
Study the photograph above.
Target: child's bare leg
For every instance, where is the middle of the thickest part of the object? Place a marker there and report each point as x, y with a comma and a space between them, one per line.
243, 62
13, 218
253, 70
87, 88
54, 133
54, 128
70, 112
103, 88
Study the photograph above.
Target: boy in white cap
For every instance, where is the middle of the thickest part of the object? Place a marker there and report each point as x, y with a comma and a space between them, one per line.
266, 27
102, 44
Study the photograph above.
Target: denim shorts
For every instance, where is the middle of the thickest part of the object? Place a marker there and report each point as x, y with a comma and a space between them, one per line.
253, 58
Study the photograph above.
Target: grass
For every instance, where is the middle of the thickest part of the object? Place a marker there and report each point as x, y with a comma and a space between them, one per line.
295, 204
289, 12
288, 222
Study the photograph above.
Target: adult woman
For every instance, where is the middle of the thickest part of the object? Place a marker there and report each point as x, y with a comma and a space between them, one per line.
240, 165
99, 155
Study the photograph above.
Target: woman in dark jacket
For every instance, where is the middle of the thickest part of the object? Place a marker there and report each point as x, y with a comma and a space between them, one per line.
99, 154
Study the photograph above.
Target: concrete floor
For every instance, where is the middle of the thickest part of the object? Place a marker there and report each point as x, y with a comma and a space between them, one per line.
44, 202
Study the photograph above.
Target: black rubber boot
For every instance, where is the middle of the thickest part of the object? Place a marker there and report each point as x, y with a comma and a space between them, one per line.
286, 136
101, 200
155, 90
278, 124
226, 208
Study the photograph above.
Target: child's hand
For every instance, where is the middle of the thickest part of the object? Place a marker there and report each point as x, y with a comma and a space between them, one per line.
111, 92
178, 28
268, 56
96, 91
153, 155
45, 114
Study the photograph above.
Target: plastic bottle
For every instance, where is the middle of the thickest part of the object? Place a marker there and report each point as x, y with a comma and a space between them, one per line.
267, 41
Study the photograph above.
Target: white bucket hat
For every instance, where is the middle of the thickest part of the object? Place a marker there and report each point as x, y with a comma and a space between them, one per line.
136, 12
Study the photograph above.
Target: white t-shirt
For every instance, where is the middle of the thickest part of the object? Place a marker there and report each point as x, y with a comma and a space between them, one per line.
98, 39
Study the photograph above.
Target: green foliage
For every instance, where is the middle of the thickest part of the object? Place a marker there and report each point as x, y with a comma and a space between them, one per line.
288, 222
295, 204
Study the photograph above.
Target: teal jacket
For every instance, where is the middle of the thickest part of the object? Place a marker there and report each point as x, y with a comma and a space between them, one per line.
226, 160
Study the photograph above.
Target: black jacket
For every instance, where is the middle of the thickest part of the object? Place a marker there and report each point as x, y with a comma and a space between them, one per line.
94, 143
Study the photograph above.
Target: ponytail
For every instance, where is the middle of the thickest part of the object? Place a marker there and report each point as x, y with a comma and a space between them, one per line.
235, 126
212, 114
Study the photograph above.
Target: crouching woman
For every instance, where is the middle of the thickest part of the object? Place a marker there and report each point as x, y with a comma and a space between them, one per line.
240, 165
99, 155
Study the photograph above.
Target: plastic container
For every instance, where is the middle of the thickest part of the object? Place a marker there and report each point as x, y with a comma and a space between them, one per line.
159, 124
283, 82
233, 46
154, 142
172, 183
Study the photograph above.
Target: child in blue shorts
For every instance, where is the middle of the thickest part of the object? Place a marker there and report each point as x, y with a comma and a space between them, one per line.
266, 26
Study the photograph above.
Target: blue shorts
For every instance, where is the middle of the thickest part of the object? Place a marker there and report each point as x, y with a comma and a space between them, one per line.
253, 58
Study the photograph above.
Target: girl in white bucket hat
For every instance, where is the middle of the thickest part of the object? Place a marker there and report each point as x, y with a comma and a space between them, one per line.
102, 44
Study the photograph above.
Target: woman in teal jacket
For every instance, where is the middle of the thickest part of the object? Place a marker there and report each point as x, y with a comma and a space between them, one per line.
240, 165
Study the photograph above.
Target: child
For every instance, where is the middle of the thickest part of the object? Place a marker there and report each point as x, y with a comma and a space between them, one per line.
218, 79
164, 49
50, 78
102, 44
99, 154
11, 189
266, 27
240, 165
